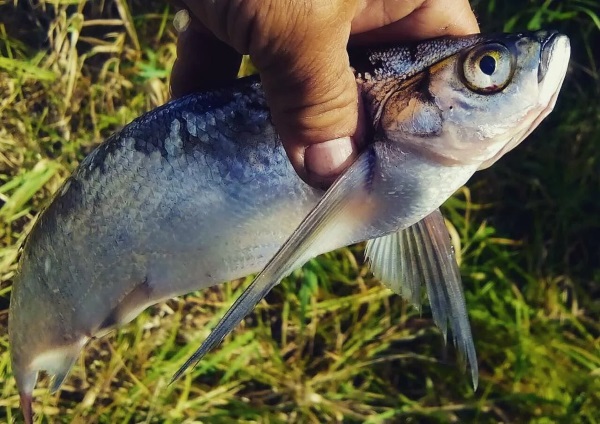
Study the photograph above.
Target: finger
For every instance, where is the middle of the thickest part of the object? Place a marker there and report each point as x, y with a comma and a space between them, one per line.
312, 91
424, 19
202, 62
299, 49
317, 119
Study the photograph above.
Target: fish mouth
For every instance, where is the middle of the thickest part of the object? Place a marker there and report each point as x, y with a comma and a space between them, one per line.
555, 51
552, 42
547, 41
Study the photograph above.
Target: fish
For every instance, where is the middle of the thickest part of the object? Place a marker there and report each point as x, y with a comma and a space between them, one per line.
199, 191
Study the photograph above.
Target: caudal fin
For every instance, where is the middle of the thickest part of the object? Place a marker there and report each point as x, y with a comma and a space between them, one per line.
26, 406
25, 384
57, 362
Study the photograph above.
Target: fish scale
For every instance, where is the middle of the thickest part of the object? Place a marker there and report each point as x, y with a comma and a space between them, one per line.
200, 191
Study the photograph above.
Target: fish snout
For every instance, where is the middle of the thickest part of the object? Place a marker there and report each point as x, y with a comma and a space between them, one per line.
553, 45
555, 52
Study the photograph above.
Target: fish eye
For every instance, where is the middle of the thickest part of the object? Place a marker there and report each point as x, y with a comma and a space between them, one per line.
488, 68
487, 64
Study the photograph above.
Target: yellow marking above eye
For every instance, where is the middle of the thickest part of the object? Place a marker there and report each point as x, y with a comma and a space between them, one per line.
488, 68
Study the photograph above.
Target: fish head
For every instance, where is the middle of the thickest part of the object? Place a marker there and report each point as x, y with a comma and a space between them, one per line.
475, 105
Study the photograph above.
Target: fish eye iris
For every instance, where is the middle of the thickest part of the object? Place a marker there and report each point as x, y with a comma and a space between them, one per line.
488, 68
487, 64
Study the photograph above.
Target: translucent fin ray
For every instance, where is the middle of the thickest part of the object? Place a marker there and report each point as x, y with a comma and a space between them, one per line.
425, 257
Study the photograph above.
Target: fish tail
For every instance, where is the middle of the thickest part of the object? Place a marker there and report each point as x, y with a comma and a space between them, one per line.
26, 406
25, 383
57, 362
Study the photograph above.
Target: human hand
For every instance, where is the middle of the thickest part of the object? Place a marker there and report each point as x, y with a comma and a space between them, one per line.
299, 48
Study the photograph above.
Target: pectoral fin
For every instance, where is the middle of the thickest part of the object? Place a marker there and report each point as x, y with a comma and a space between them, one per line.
422, 254
299, 247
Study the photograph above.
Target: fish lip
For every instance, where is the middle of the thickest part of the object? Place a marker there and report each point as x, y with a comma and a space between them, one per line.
548, 40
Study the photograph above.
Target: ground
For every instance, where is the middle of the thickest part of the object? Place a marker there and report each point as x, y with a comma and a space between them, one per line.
330, 344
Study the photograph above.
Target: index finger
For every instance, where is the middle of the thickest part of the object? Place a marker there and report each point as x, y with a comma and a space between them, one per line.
379, 22
202, 62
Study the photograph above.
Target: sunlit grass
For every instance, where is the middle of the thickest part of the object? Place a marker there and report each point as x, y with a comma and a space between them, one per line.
330, 343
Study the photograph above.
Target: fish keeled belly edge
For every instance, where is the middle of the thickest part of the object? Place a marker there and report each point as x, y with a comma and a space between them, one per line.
199, 191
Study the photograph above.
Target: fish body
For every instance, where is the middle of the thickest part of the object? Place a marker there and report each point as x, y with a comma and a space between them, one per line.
200, 191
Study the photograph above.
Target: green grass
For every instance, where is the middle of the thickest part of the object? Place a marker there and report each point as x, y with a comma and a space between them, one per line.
329, 344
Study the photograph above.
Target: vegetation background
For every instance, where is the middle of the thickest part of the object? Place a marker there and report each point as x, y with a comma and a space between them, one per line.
330, 344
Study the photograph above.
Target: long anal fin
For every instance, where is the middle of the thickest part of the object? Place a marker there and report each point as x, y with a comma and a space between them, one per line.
422, 254
299, 247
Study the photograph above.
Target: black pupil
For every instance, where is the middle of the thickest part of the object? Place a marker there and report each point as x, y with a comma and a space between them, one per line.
487, 64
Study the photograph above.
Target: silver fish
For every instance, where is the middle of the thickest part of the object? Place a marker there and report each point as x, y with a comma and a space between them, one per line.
199, 191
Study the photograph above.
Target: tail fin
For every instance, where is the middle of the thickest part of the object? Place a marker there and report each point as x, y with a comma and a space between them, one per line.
26, 401
57, 362
25, 383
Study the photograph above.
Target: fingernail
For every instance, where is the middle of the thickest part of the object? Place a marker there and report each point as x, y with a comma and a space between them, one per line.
328, 159
181, 20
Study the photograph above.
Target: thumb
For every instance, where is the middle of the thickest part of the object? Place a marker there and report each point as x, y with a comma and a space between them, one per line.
312, 92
